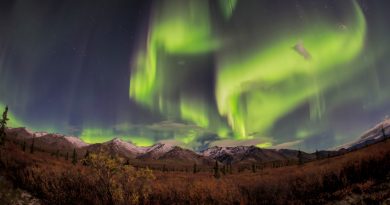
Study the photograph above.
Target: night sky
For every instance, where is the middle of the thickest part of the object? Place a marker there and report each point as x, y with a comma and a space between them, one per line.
297, 74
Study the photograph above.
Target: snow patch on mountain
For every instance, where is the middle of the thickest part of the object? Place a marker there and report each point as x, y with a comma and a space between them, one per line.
120, 144
156, 151
77, 142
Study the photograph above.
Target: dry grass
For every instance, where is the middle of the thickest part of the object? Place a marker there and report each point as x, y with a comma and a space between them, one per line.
312, 183
57, 181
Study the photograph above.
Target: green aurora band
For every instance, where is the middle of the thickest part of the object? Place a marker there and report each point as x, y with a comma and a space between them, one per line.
183, 134
253, 89
256, 90
172, 33
98, 135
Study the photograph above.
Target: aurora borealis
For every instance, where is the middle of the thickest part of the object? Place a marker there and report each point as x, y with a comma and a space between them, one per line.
302, 74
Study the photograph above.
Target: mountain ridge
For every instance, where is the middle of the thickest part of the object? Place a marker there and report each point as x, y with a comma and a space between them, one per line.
168, 152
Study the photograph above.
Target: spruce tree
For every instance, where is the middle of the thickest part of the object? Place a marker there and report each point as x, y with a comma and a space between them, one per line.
32, 145
86, 154
127, 162
216, 170
164, 169
227, 168
85, 161
230, 168
3, 126
24, 146
74, 157
317, 155
383, 133
195, 168
223, 170
67, 156
300, 159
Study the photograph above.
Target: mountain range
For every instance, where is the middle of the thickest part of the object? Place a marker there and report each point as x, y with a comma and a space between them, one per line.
165, 152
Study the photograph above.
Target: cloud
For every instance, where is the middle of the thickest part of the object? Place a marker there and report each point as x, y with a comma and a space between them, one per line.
287, 145
233, 143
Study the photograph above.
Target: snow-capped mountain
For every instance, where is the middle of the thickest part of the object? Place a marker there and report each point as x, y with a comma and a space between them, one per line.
119, 147
117, 142
184, 155
45, 141
169, 152
75, 141
251, 154
373, 135
218, 151
23, 133
159, 151
59, 141
156, 151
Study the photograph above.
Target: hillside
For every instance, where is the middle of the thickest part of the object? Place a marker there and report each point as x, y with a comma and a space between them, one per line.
361, 177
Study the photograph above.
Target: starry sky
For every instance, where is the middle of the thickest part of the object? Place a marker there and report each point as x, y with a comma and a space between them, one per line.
297, 74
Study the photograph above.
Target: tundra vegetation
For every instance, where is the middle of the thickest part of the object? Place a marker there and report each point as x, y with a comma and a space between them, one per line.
101, 178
